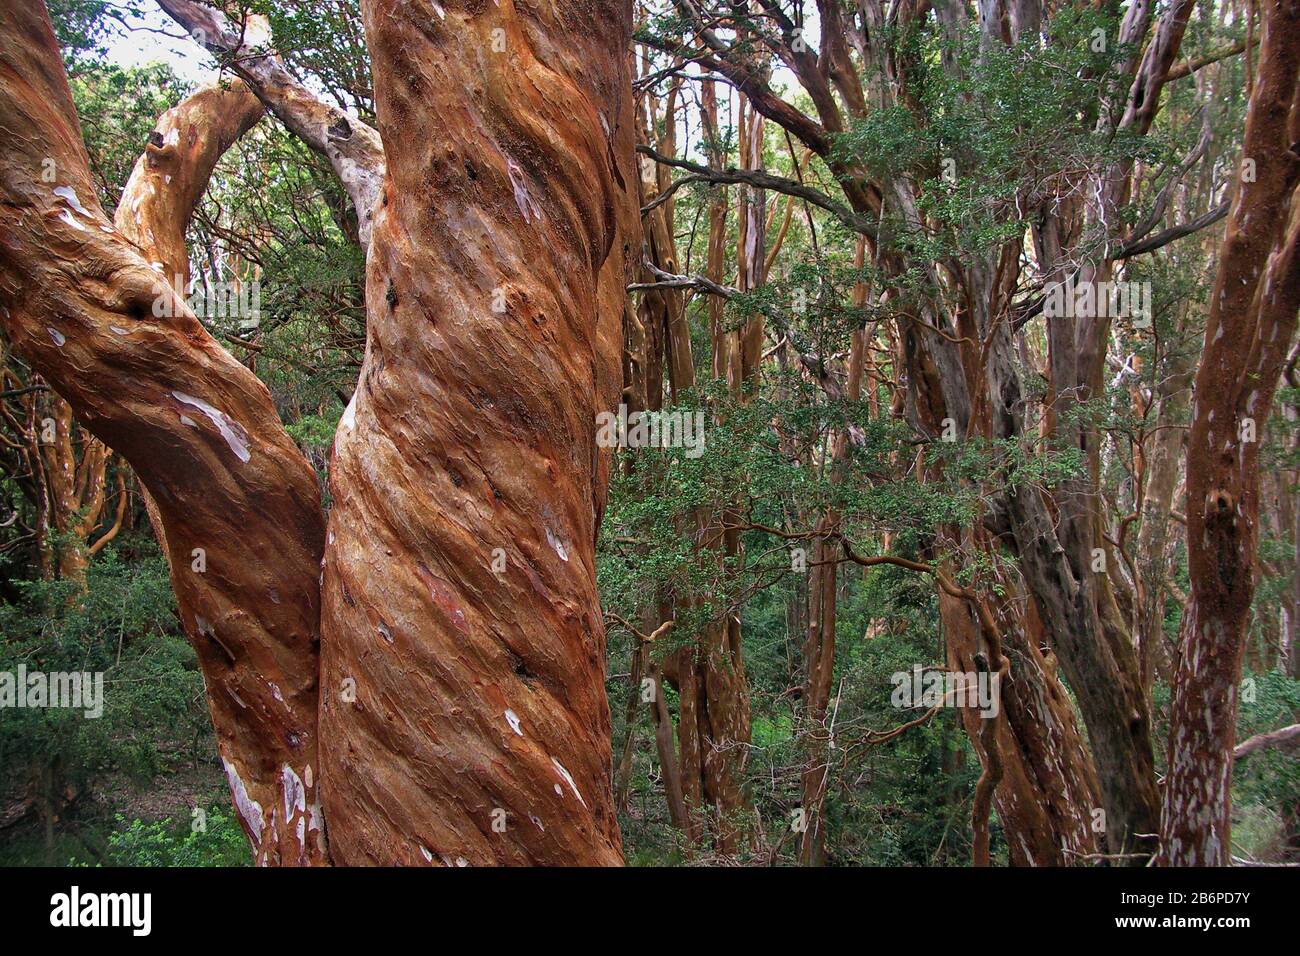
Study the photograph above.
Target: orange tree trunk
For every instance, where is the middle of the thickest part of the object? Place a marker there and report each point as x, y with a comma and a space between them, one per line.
496, 281
464, 716
238, 502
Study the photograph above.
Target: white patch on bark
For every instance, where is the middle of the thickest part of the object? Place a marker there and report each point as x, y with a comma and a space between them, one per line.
69, 195
513, 720
523, 199
248, 808
568, 778
316, 823
71, 220
557, 544
233, 432
295, 794
349, 419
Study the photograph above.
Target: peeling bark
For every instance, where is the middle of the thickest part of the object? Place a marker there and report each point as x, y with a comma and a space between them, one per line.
478, 696
77, 300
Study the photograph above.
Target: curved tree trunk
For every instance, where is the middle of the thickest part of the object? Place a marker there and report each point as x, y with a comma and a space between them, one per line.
464, 713
1252, 318
496, 283
239, 503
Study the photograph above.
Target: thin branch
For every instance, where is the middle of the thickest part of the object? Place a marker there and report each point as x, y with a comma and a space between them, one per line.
761, 180
1167, 236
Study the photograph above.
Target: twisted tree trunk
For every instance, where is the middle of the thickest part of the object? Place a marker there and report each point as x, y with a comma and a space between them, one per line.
465, 651
464, 716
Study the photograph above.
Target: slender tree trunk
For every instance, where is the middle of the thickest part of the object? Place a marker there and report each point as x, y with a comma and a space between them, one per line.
1154, 544
1253, 307
819, 667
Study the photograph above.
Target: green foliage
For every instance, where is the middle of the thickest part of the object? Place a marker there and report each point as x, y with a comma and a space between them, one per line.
81, 26
123, 626
314, 431
1270, 778
178, 842
988, 125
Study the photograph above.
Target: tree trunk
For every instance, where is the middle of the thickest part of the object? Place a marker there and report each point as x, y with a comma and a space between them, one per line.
495, 286
464, 716
239, 503
1252, 318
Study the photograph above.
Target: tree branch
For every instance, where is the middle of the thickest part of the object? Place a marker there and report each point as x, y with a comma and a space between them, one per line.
1166, 236
353, 149
1285, 738
761, 180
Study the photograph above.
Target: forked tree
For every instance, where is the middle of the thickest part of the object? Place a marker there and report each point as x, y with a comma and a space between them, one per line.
422, 680
418, 676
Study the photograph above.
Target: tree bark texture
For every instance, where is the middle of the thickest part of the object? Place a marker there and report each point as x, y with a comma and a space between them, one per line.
1252, 318
239, 503
464, 713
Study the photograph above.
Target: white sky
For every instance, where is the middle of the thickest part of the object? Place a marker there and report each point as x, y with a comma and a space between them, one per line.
141, 47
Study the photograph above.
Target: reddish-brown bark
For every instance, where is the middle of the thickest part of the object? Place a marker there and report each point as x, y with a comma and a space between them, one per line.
819, 669
516, 196
704, 774
1252, 318
63, 475
476, 696
77, 299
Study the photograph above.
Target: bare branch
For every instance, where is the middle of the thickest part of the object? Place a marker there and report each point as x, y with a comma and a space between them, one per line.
353, 149
761, 180
1285, 738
